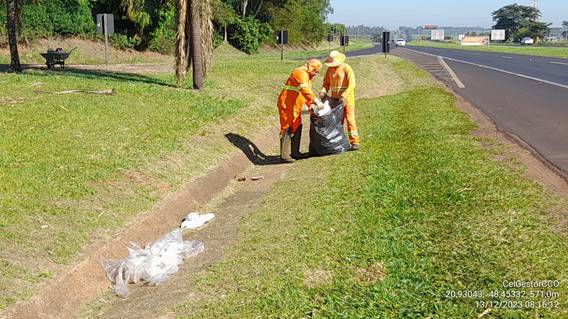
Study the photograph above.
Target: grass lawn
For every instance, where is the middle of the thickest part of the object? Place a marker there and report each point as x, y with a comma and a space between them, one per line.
401, 229
75, 168
556, 52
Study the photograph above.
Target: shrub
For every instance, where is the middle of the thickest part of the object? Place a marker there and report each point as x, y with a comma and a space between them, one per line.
163, 38
123, 41
248, 34
217, 39
53, 17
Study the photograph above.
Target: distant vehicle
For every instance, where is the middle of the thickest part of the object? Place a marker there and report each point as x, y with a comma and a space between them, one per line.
400, 43
527, 41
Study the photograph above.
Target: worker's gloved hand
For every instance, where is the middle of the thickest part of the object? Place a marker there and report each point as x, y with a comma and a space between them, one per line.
312, 107
342, 100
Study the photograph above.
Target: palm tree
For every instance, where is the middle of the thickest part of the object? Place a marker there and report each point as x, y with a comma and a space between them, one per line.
194, 47
13, 36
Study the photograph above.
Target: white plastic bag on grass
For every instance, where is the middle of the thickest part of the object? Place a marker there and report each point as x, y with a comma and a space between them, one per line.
153, 264
196, 220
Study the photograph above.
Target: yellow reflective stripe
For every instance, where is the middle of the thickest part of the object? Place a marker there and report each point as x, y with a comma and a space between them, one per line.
353, 133
291, 88
339, 89
296, 88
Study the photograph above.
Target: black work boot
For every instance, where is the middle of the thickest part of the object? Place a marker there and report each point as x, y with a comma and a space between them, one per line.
285, 147
296, 142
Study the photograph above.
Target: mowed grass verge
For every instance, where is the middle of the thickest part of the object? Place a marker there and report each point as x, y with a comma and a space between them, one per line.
75, 168
420, 216
555, 52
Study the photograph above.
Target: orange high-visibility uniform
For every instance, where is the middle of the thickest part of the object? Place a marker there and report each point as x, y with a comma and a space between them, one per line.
339, 82
296, 93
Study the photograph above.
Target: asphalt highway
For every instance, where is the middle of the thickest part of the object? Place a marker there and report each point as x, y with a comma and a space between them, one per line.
526, 96
550, 69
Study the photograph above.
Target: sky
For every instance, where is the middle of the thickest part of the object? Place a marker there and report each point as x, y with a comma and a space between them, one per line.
412, 13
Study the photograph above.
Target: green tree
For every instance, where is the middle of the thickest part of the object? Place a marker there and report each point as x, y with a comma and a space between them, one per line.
533, 29
511, 16
223, 14
336, 29
146, 16
304, 19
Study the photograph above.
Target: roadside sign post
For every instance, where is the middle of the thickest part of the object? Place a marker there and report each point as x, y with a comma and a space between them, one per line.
329, 40
282, 39
437, 35
105, 25
385, 44
497, 35
344, 42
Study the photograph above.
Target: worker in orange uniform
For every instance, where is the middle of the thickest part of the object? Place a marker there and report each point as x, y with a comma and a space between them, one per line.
339, 83
296, 93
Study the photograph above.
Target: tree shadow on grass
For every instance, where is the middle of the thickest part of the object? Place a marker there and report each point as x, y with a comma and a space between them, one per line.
252, 152
93, 74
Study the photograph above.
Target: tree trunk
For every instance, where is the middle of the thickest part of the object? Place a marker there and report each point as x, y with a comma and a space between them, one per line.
181, 45
196, 55
225, 34
244, 7
12, 36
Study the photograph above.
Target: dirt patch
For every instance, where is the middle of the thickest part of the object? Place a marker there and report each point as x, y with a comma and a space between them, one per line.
148, 181
371, 274
88, 51
317, 278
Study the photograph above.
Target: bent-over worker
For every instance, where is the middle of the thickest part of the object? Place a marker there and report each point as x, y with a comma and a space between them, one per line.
296, 93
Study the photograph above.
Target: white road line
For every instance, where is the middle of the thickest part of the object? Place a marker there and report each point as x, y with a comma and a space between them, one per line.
452, 73
554, 62
506, 57
496, 69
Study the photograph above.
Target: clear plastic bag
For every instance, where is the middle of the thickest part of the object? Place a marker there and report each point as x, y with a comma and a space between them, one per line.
153, 264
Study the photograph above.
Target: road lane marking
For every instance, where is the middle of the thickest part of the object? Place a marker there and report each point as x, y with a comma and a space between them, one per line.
452, 73
496, 69
554, 62
506, 57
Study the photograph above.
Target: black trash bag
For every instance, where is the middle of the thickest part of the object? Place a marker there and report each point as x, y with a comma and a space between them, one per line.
326, 132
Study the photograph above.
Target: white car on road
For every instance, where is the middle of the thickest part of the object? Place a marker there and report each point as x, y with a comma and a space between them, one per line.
400, 43
527, 41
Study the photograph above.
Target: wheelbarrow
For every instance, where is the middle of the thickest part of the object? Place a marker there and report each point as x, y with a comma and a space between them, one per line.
57, 56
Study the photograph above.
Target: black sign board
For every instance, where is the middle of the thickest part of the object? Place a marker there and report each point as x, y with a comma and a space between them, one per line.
330, 38
282, 37
386, 42
344, 41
